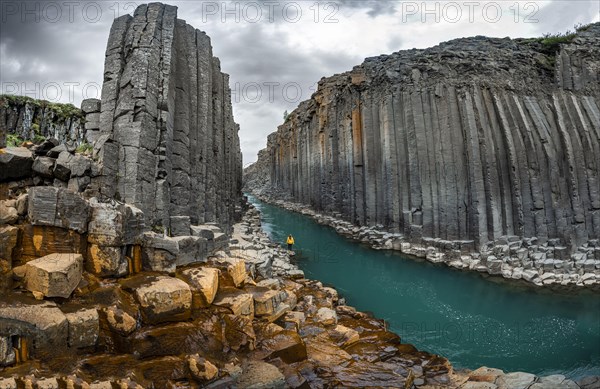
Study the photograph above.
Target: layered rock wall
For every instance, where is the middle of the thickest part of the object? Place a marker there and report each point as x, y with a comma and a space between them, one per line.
471, 140
166, 139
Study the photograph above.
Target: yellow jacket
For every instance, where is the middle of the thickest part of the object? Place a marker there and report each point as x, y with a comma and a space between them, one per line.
290, 240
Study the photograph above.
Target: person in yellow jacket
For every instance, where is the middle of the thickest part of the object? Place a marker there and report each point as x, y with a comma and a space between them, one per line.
290, 242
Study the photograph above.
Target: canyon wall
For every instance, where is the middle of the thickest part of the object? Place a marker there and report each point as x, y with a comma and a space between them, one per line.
471, 140
166, 136
28, 119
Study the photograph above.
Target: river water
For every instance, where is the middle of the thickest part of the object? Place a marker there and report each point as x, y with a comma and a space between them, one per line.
462, 316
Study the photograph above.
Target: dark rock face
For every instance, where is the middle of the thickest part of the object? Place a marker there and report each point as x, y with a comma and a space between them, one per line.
471, 140
167, 139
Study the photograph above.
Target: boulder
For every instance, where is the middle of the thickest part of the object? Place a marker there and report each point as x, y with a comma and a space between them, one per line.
84, 327
120, 321
44, 167
56, 150
233, 270
202, 370
516, 380
114, 224
159, 253
79, 165
555, 381
203, 231
266, 301
190, 249
62, 166
49, 206
15, 163
8, 213
286, 345
21, 204
55, 275
260, 375
204, 282
8, 383
326, 316
343, 336
236, 301
485, 374
164, 299
40, 321
79, 184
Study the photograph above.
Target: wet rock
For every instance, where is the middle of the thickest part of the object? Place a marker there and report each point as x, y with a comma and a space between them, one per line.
42, 322
55, 275
555, 381
326, 316
106, 261
120, 321
49, 206
294, 319
204, 282
237, 302
15, 163
260, 375
83, 328
7, 352
287, 345
202, 369
343, 336
590, 382
233, 270
164, 299
266, 301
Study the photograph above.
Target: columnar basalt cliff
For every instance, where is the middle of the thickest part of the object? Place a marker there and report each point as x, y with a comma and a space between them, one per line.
167, 139
470, 141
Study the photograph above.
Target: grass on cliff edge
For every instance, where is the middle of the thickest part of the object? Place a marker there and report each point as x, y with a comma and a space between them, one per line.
61, 111
552, 42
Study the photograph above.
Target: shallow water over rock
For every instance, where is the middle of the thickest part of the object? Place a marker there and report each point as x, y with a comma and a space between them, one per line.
471, 320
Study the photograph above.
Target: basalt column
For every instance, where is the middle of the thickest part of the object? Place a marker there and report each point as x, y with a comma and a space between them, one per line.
472, 140
168, 142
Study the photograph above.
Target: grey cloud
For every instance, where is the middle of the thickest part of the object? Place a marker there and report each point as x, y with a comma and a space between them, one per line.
562, 15
375, 7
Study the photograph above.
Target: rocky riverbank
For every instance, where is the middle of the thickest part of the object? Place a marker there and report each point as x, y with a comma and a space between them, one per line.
244, 317
513, 258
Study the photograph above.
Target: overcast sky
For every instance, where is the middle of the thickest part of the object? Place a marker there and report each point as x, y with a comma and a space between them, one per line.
275, 51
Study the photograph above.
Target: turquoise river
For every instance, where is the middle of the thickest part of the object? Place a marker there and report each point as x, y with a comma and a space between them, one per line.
470, 320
